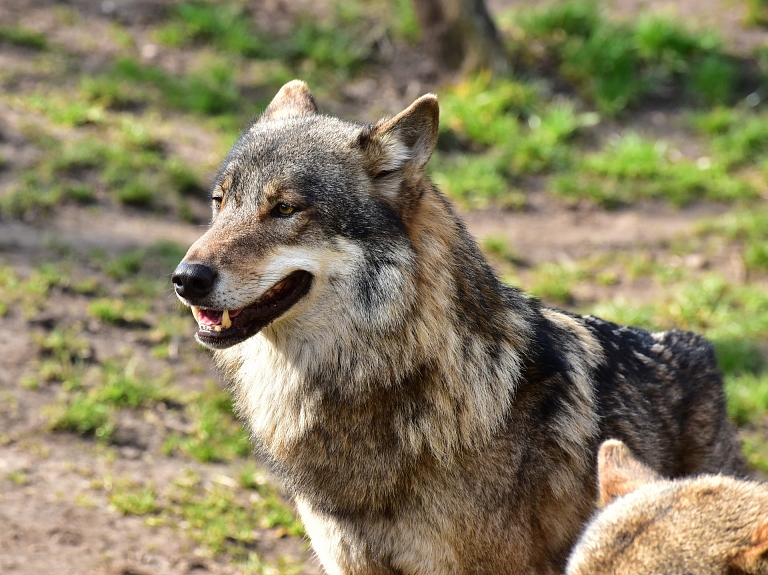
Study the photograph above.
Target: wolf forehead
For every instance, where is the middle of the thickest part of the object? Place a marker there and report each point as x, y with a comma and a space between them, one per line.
316, 156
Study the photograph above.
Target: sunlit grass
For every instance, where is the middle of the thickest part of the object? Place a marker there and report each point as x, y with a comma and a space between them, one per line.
616, 64
215, 434
631, 168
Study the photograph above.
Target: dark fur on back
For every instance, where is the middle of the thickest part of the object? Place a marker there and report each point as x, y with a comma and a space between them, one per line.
662, 394
426, 418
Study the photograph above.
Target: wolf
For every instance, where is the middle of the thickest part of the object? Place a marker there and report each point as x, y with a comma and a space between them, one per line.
649, 525
424, 417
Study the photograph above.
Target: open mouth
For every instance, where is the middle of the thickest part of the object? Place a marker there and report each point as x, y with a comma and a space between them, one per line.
220, 329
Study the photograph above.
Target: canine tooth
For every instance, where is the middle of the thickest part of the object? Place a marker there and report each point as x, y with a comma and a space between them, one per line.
225, 321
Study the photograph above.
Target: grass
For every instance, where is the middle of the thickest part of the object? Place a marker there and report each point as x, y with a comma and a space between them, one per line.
154, 260
495, 132
118, 312
130, 499
218, 518
64, 354
23, 37
616, 64
226, 27
91, 409
633, 168
32, 294
748, 228
739, 136
18, 477
130, 167
757, 13
747, 397
554, 283
220, 513
340, 44
215, 435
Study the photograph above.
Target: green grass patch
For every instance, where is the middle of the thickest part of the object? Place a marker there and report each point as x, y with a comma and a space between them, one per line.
499, 247
631, 168
24, 37
227, 26
739, 137
131, 499
220, 513
64, 354
118, 312
554, 282
273, 512
475, 180
33, 196
495, 131
340, 43
756, 449
747, 397
83, 414
18, 477
616, 64
216, 435
91, 410
748, 227
31, 295
210, 91
219, 518
64, 110
757, 13
143, 272
129, 165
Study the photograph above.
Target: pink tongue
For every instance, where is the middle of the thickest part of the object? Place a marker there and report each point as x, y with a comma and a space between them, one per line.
209, 316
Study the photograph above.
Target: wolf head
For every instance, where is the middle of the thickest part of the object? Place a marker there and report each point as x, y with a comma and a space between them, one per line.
300, 205
707, 525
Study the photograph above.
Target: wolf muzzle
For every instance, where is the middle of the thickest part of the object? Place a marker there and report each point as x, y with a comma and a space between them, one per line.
193, 281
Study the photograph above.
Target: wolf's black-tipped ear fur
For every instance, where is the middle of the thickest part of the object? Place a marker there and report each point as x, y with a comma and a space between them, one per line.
404, 143
619, 472
294, 99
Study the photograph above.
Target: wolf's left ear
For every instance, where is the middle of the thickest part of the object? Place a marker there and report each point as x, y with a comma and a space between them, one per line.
293, 100
619, 472
401, 146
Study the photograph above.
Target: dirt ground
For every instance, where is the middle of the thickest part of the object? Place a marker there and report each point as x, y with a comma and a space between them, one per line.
58, 518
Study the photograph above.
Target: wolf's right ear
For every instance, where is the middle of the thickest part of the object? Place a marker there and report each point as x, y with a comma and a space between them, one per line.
619, 472
397, 149
294, 99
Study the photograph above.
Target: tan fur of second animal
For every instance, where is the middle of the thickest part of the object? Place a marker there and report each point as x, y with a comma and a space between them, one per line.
706, 525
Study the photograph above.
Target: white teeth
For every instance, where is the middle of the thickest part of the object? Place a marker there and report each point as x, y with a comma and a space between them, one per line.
225, 321
217, 328
195, 312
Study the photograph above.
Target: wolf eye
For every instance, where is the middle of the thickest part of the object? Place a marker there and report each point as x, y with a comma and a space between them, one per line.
283, 209
217, 201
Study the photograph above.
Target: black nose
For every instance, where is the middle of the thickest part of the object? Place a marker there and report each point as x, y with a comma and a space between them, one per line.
193, 281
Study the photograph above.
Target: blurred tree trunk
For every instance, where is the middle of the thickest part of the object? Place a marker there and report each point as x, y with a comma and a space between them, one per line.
461, 34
